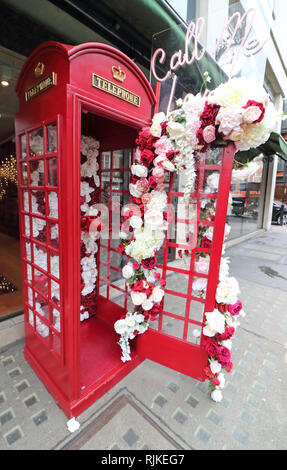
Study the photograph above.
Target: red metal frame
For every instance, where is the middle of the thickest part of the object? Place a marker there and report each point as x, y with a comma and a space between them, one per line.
86, 362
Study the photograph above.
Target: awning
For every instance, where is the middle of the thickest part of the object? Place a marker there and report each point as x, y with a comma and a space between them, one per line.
275, 145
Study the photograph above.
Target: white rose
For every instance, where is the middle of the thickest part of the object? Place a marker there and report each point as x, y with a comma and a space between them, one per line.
216, 395
227, 291
216, 321
120, 326
155, 129
147, 304
229, 119
134, 192
135, 221
123, 235
167, 165
221, 379
159, 117
157, 294
139, 318
175, 129
138, 297
130, 321
127, 271
215, 367
139, 170
153, 218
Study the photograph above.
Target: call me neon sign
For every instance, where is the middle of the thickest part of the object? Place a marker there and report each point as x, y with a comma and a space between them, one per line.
180, 58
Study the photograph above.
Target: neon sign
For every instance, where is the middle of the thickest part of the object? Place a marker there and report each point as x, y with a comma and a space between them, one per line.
248, 47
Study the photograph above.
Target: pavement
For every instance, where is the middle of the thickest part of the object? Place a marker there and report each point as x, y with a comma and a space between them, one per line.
157, 408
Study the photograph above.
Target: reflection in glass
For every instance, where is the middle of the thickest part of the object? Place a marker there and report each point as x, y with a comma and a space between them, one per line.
23, 146
37, 177
52, 172
36, 142
52, 137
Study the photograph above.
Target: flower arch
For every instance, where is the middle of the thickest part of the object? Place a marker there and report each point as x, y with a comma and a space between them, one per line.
237, 112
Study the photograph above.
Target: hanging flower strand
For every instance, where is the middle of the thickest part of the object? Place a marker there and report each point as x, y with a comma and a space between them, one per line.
237, 112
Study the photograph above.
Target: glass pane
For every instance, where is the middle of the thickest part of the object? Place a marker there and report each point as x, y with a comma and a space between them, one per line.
37, 177
199, 287
40, 257
39, 226
26, 201
106, 160
54, 265
194, 334
211, 181
41, 306
30, 296
172, 326
105, 180
196, 311
174, 304
36, 142
38, 202
28, 251
52, 172
29, 272
23, 146
27, 225
53, 204
52, 137
54, 235
41, 328
31, 317
56, 319
41, 282
55, 292
24, 174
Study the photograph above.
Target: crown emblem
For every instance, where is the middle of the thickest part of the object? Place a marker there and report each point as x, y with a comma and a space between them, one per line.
39, 69
118, 73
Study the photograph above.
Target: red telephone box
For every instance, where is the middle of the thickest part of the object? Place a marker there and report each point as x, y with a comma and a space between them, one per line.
78, 104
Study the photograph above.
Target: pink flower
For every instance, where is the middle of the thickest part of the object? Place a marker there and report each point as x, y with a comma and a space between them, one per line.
209, 134
142, 185
235, 308
146, 198
162, 145
136, 266
158, 172
159, 160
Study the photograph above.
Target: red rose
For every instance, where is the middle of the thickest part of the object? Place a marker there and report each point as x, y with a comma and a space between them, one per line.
235, 308
145, 140
205, 242
223, 355
146, 157
209, 114
170, 154
228, 333
155, 311
152, 182
229, 366
199, 135
259, 105
208, 372
215, 382
149, 263
121, 248
163, 127
210, 345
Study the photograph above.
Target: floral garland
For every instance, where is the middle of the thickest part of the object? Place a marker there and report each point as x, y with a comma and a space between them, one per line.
90, 183
237, 112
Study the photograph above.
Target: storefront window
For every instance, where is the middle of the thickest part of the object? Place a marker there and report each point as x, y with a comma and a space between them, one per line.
245, 212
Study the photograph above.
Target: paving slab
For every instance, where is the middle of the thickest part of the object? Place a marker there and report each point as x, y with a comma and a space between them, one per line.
158, 408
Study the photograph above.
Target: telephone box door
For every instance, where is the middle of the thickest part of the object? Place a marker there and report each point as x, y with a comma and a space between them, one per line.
197, 234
